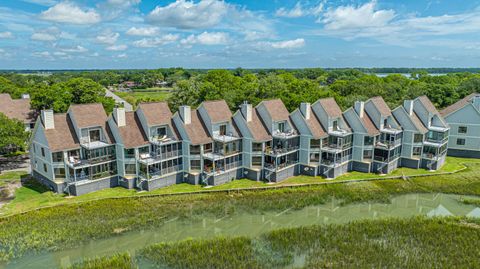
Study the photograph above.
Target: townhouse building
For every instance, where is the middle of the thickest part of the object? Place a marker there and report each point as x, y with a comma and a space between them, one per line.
85, 150
18, 109
463, 117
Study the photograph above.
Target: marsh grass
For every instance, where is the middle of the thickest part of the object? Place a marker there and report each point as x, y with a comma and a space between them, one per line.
117, 261
394, 243
70, 225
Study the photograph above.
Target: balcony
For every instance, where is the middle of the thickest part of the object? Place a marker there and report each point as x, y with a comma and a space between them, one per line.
162, 140
226, 137
148, 158
155, 173
284, 135
222, 169
280, 150
335, 162
384, 144
280, 166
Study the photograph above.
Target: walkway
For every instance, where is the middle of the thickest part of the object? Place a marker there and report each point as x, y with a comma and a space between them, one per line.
128, 107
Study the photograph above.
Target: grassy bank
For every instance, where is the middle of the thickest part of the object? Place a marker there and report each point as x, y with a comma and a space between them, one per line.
412, 243
10, 177
68, 225
34, 196
118, 261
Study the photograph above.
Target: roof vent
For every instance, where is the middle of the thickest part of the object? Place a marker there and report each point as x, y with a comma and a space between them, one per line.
47, 119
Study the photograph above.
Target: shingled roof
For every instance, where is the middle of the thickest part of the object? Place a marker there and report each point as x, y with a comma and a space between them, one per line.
63, 136
276, 109
196, 131
382, 107
331, 107
217, 110
257, 128
429, 106
367, 122
315, 126
17, 108
156, 113
91, 115
132, 133
458, 105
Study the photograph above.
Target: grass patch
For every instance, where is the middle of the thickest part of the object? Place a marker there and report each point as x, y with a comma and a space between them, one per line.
138, 96
71, 224
118, 261
393, 243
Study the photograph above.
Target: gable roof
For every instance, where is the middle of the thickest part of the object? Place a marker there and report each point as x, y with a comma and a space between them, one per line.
331, 107
63, 136
418, 123
88, 115
217, 110
382, 107
276, 109
156, 113
17, 108
132, 133
257, 127
369, 125
458, 105
314, 125
429, 106
196, 131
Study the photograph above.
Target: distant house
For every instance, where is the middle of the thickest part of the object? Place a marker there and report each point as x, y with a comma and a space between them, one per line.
464, 120
127, 85
18, 109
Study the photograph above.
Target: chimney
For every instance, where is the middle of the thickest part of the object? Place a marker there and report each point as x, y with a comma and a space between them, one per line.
408, 105
25, 96
185, 114
119, 116
246, 110
47, 119
359, 107
305, 109
476, 101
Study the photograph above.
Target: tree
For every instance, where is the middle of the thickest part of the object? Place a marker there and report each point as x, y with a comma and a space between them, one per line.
13, 136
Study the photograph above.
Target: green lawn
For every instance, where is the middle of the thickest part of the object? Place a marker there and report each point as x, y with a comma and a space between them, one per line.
10, 177
140, 95
34, 196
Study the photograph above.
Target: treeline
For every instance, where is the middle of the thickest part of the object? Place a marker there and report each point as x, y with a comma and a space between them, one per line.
192, 87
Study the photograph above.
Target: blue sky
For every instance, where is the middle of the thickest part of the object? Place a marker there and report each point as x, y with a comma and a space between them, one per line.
88, 34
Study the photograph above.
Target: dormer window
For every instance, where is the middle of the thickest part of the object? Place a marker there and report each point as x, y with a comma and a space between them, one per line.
223, 129
161, 131
281, 127
335, 125
94, 135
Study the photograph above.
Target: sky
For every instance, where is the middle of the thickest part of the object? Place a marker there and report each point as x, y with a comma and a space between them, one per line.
122, 34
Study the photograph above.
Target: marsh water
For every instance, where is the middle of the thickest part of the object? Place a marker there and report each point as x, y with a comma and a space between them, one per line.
249, 224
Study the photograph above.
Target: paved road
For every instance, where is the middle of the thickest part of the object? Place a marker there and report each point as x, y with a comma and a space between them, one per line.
118, 100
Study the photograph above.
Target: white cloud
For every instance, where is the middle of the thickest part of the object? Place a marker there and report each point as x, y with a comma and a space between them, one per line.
206, 38
123, 55
143, 31
60, 53
42, 54
154, 42
6, 35
288, 44
117, 47
76, 49
348, 17
299, 11
43, 37
107, 37
68, 12
185, 14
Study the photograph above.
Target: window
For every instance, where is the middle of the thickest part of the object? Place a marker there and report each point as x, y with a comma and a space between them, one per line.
315, 143
207, 148
194, 149
59, 173
418, 138
57, 157
417, 151
257, 161
130, 169
385, 123
335, 125
161, 131
368, 141
43, 152
461, 141
462, 129
281, 127
45, 168
223, 129
256, 147
129, 153
367, 154
94, 135
195, 164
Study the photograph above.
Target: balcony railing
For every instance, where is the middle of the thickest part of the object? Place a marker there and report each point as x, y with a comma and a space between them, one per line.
151, 158
437, 141
101, 159
221, 170
384, 159
388, 144
273, 167
160, 172
335, 162
279, 151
